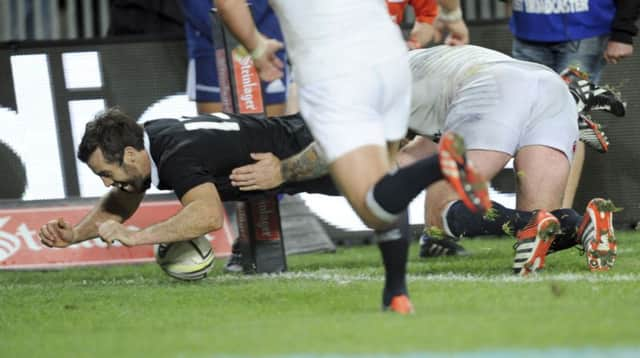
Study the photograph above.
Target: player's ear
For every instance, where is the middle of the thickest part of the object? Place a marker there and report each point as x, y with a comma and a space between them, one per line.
129, 155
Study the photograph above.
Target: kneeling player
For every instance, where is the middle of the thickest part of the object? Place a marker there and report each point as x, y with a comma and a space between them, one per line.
504, 109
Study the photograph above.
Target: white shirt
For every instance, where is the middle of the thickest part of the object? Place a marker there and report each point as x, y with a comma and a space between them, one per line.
327, 39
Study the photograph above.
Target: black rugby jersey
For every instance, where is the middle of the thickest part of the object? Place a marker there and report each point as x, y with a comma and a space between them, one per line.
193, 150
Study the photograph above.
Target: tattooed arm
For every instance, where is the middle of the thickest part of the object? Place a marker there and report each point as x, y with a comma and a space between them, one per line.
308, 164
269, 172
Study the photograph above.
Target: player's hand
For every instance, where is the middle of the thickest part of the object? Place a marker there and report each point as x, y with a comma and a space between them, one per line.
269, 66
616, 51
112, 230
458, 33
264, 174
421, 35
56, 233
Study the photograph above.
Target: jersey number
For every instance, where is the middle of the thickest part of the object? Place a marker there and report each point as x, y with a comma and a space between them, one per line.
221, 126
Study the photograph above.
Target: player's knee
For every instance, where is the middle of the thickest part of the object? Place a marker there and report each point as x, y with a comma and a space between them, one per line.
377, 217
378, 224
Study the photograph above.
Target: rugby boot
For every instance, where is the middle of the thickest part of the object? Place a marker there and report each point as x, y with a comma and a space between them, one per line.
596, 235
445, 246
400, 304
591, 133
591, 97
461, 175
533, 242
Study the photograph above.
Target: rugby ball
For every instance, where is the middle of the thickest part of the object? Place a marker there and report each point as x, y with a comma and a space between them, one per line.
188, 260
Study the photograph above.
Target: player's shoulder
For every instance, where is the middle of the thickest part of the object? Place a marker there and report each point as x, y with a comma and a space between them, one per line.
218, 122
157, 125
184, 122
216, 117
447, 54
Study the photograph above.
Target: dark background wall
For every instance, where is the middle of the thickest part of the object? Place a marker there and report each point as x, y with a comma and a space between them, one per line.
135, 74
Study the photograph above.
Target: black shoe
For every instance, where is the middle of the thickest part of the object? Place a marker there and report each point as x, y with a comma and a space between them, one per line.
591, 97
446, 246
234, 264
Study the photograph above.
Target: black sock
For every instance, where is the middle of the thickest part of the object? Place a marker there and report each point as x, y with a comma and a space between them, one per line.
394, 192
462, 222
394, 247
569, 222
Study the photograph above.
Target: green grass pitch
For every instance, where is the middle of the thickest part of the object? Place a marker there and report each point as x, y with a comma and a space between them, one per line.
328, 304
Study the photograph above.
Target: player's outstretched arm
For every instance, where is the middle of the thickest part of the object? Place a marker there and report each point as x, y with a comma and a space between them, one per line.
56, 233
269, 172
116, 205
201, 213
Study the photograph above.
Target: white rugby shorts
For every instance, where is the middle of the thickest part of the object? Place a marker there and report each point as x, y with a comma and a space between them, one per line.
510, 106
368, 107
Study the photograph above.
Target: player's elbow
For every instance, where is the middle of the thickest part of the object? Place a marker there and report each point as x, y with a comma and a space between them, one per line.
215, 223
212, 220
204, 216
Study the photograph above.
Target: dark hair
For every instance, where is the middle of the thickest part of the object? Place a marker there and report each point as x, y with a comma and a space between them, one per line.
110, 130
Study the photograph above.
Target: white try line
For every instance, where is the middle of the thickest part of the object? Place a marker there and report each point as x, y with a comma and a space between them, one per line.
340, 277
587, 352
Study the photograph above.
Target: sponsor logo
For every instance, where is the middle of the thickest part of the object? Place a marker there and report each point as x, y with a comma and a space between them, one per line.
266, 218
247, 85
550, 6
242, 219
20, 246
23, 237
9, 243
248, 90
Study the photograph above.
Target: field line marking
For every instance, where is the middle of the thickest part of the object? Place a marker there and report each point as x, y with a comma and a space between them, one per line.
340, 277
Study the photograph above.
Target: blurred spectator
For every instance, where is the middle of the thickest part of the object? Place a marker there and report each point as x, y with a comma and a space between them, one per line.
430, 24
202, 81
586, 35
425, 11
